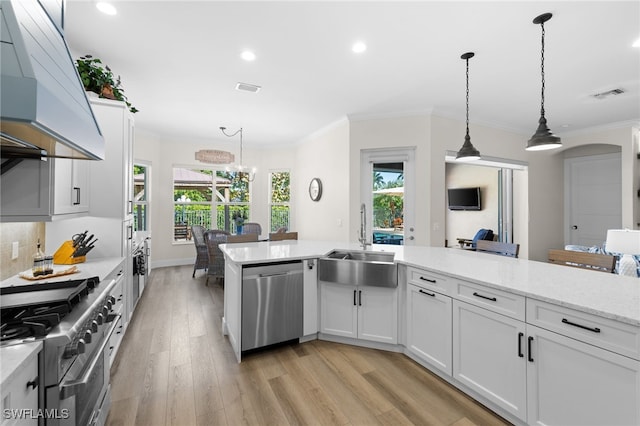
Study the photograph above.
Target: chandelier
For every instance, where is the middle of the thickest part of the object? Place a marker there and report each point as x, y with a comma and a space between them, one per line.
240, 168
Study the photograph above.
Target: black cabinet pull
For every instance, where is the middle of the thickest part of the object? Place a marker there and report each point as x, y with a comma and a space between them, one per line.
530, 357
428, 280
77, 191
594, 329
427, 293
493, 299
360, 298
520, 336
33, 383
354, 297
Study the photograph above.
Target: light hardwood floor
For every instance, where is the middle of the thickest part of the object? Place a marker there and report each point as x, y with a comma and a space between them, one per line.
175, 367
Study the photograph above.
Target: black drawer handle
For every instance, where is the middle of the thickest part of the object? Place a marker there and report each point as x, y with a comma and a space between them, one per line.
428, 280
355, 292
493, 299
594, 329
520, 336
529, 349
33, 383
427, 293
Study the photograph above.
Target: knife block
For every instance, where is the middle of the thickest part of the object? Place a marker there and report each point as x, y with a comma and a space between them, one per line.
64, 255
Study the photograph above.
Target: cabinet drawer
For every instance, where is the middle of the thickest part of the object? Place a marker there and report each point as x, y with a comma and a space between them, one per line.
430, 280
17, 394
499, 301
602, 332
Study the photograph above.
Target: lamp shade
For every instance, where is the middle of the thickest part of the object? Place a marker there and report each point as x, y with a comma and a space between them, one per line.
623, 241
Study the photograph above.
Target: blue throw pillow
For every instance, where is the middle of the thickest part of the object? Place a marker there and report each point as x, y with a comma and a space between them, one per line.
482, 234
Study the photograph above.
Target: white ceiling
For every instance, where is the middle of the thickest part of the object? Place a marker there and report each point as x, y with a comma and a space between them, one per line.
180, 62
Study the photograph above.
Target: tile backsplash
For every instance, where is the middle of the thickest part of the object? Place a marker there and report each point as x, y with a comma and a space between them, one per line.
26, 234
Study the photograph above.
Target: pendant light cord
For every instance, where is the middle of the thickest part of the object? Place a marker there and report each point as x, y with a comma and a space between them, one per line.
467, 96
542, 72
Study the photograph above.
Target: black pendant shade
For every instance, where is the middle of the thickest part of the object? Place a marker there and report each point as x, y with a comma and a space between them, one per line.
468, 152
543, 138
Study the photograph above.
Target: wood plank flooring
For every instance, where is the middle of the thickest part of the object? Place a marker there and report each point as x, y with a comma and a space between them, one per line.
175, 367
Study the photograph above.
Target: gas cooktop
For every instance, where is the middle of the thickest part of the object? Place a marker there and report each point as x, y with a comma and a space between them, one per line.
32, 310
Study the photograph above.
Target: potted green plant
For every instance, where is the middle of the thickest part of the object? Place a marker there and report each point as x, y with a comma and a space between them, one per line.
99, 78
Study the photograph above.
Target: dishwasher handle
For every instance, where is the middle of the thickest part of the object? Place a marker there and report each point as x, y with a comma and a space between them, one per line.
278, 274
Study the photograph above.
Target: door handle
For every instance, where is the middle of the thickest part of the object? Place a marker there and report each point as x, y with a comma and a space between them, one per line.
574, 227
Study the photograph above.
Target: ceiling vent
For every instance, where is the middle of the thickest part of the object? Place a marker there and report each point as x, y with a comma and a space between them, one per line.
246, 87
613, 92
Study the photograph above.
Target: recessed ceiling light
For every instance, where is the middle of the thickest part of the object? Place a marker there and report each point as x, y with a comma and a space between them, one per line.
359, 47
106, 8
636, 43
248, 56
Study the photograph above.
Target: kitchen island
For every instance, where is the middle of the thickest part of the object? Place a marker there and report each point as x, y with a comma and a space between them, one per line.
517, 335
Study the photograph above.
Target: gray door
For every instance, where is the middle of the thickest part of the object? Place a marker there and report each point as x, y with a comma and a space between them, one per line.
593, 198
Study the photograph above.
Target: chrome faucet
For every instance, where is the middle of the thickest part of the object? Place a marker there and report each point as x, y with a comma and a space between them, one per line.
362, 237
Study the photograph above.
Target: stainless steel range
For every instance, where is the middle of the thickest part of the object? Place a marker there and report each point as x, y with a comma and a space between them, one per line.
75, 320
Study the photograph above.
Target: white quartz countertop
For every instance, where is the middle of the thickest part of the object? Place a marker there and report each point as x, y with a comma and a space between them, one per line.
607, 295
100, 267
14, 358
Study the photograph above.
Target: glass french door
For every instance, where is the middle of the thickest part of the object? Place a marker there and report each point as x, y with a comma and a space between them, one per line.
387, 191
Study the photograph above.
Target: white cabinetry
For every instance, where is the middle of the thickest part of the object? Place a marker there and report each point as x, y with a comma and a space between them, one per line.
429, 327
112, 179
19, 395
42, 190
489, 356
71, 186
310, 294
112, 188
362, 312
571, 381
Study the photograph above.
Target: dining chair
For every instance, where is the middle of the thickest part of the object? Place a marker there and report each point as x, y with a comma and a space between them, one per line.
280, 236
496, 247
583, 260
251, 228
202, 254
213, 238
243, 238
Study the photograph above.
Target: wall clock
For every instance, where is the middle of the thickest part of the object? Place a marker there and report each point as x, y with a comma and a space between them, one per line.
315, 189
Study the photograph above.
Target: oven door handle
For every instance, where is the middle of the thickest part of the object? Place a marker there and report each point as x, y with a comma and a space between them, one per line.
71, 388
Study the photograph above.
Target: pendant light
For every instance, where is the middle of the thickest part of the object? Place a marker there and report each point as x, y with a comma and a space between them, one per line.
543, 138
468, 152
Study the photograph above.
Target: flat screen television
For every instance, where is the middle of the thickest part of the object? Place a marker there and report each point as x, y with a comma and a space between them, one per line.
464, 199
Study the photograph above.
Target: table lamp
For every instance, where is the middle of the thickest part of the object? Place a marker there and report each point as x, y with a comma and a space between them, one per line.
627, 242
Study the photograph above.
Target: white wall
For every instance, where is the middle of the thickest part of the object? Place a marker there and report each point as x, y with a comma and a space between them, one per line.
465, 224
324, 155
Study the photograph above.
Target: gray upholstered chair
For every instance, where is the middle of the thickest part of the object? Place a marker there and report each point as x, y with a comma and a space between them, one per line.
213, 238
202, 254
252, 228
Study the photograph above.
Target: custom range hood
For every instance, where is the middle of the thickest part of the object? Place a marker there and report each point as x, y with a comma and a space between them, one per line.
44, 110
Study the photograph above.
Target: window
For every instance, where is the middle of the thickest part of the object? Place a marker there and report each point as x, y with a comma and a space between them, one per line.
197, 193
141, 197
279, 199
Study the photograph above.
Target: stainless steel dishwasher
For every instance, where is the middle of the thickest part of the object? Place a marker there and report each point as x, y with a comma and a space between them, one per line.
271, 304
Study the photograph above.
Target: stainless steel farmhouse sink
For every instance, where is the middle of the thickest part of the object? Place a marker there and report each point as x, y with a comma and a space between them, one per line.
368, 268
